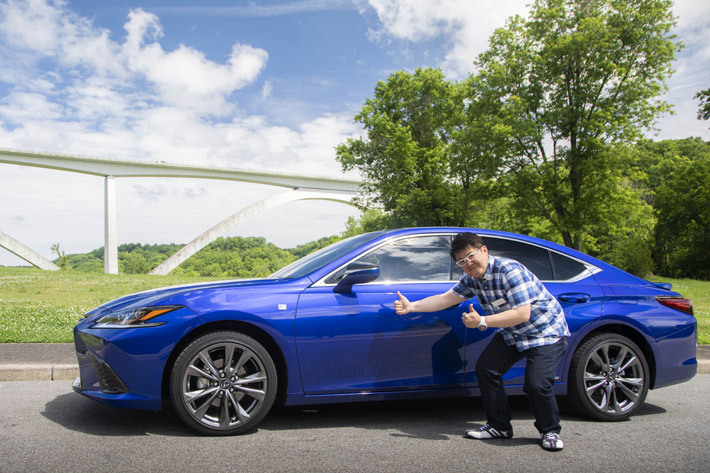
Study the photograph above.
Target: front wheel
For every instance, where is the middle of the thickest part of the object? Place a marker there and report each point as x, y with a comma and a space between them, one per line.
608, 378
223, 383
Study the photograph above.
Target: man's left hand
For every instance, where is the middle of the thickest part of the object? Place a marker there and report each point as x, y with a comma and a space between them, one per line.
471, 319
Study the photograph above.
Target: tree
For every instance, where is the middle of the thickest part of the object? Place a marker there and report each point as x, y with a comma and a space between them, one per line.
683, 228
704, 109
133, 262
574, 80
62, 259
677, 180
425, 160
404, 159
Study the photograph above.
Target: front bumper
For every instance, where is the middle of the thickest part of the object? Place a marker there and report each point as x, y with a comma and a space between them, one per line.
126, 367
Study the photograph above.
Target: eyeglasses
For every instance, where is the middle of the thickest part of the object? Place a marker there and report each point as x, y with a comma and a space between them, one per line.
462, 262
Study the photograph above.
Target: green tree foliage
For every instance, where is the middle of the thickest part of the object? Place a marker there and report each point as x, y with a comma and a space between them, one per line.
234, 257
704, 108
302, 250
569, 83
369, 221
678, 186
683, 229
133, 258
538, 141
404, 159
428, 156
62, 261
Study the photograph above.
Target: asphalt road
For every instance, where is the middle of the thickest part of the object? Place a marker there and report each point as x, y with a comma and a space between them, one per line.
46, 427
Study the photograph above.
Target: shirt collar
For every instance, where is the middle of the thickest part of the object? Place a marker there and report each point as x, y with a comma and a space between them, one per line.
489, 270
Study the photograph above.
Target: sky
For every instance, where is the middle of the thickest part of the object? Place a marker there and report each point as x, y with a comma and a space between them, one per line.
255, 85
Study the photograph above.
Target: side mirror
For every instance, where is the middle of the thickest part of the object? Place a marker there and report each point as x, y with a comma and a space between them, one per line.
357, 273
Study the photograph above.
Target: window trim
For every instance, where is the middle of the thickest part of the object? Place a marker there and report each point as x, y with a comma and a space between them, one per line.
590, 268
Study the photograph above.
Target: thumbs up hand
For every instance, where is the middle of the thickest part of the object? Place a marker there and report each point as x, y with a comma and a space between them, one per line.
402, 306
471, 319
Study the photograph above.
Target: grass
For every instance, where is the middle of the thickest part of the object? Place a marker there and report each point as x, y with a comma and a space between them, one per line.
699, 293
43, 306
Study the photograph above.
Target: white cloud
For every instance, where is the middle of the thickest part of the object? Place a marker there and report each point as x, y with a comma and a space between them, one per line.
42, 30
107, 110
467, 24
266, 90
184, 77
18, 107
415, 20
32, 24
50, 30
692, 72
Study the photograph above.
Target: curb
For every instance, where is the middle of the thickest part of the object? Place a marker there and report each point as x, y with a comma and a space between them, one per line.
38, 372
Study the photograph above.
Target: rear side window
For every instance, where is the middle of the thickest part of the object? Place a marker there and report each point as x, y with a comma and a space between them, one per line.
534, 258
566, 268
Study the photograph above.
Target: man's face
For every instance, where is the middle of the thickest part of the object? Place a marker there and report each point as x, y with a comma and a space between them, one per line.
476, 260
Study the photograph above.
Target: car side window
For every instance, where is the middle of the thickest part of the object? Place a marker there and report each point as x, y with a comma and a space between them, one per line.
534, 258
566, 268
420, 258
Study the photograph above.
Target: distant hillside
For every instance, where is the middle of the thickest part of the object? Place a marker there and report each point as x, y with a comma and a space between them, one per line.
238, 257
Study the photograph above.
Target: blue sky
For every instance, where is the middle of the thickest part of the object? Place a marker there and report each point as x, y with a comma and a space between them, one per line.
269, 85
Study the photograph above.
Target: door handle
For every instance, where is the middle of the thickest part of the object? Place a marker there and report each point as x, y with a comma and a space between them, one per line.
574, 297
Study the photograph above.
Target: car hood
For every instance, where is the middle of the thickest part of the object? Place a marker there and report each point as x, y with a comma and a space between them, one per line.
156, 296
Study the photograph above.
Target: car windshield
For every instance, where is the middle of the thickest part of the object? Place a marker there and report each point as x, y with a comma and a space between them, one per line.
322, 257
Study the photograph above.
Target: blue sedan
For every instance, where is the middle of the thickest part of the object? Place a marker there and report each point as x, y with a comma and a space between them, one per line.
324, 330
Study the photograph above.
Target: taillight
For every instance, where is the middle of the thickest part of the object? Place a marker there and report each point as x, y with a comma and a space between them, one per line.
679, 303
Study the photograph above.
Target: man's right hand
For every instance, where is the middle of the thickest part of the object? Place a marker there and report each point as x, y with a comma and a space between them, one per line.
402, 306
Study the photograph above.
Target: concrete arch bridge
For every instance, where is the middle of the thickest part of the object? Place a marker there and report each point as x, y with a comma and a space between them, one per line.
300, 188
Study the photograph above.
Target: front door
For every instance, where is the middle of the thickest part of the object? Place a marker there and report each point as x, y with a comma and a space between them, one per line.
357, 343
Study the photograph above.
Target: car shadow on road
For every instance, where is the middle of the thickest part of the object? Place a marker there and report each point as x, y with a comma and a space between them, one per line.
76, 412
433, 419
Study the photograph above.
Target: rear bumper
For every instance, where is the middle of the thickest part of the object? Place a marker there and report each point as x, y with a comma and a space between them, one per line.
676, 357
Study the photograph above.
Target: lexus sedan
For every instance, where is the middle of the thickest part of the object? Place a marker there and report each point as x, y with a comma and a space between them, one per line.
324, 330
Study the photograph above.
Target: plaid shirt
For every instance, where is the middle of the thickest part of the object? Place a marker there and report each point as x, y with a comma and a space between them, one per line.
508, 284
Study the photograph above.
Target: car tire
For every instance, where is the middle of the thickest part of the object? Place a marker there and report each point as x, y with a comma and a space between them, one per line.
223, 383
608, 378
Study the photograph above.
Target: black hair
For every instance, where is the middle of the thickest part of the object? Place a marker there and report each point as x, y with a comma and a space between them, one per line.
462, 240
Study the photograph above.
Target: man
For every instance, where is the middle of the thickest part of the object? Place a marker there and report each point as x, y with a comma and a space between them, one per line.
532, 326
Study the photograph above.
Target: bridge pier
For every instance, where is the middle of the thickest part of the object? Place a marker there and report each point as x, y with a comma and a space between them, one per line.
27, 254
110, 239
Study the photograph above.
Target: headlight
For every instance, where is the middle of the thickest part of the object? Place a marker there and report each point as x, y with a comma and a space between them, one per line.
138, 317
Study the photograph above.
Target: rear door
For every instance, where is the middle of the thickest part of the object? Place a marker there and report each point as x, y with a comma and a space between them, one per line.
570, 280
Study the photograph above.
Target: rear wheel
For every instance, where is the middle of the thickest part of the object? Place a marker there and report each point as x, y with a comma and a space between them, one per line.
223, 383
609, 378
